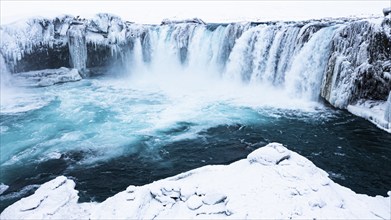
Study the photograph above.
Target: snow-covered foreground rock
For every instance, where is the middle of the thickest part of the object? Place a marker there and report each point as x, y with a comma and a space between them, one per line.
272, 183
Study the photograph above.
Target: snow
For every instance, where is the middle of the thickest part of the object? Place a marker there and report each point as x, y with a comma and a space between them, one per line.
286, 187
374, 111
47, 77
272, 155
173, 21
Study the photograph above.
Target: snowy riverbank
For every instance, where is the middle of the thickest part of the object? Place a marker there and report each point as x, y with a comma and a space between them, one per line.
377, 112
273, 182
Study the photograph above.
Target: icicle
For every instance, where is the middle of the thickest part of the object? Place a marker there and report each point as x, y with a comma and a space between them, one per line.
387, 113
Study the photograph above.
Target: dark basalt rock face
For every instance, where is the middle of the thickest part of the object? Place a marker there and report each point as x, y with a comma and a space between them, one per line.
359, 64
44, 57
374, 82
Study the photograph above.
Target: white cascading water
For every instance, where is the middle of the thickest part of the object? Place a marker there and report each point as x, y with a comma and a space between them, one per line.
304, 79
5, 75
6, 90
78, 48
267, 55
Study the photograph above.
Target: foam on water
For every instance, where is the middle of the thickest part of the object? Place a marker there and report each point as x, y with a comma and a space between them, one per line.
87, 115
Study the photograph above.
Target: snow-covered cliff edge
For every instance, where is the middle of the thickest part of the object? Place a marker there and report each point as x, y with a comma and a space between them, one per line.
272, 183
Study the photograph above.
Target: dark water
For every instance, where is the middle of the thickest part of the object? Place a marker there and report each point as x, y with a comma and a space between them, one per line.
353, 151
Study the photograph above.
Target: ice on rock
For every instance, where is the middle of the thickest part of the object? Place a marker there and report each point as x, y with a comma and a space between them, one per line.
272, 154
47, 77
167, 21
386, 11
3, 188
295, 188
25, 36
387, 112
377, 112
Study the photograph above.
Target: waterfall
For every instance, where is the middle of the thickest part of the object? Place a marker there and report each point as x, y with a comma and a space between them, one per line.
342, 60
304, 79
78, 48
5, 75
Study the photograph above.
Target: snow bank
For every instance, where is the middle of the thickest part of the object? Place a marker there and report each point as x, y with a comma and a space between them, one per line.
273, 183
376, 112
178, 21
47, 77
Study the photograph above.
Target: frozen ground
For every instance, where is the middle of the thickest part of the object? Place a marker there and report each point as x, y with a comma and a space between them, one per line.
273, 183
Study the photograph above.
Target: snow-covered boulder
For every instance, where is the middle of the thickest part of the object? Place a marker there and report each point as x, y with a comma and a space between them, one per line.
52, 197
271, 155
262, 186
